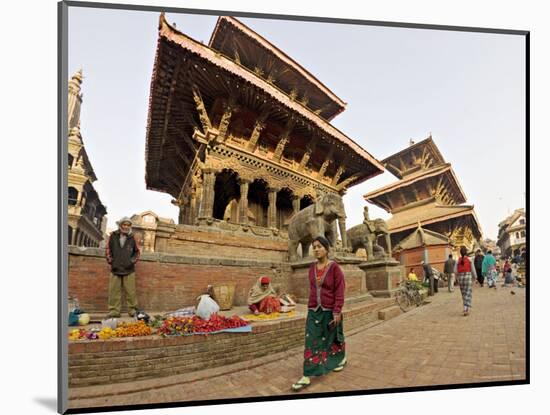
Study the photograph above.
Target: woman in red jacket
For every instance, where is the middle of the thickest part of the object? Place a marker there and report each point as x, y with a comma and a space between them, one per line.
324, 344
464, 270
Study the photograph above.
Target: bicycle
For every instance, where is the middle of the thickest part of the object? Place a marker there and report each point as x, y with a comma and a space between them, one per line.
408, 296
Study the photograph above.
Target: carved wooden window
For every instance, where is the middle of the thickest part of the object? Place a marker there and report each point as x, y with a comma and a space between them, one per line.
73, 196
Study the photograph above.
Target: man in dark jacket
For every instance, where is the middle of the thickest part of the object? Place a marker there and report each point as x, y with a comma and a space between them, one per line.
122, 253
449, 270
430, 277
478, 261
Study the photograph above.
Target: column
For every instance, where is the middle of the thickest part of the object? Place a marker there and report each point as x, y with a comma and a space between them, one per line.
295, 204
272, 209
184, 211
72, 241
207, 202
191, 212
243, 202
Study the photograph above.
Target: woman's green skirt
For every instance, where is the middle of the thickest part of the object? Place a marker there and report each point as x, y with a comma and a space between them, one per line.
325, 348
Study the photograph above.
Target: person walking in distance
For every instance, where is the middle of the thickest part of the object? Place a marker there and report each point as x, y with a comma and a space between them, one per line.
489, 270
465, 280
449, 270
122, 254
478, 261
430, 277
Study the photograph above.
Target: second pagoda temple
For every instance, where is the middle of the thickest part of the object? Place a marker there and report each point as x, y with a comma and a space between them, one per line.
429, 194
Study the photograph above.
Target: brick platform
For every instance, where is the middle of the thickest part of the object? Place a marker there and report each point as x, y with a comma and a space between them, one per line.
99, 362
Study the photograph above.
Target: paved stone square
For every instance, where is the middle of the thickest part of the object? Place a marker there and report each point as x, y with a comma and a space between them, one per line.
431, 345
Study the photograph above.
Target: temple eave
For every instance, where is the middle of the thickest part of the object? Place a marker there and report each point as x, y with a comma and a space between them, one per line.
226, 67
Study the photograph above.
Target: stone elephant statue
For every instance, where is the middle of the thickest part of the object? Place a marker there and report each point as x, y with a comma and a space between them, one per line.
315, 220
364, 236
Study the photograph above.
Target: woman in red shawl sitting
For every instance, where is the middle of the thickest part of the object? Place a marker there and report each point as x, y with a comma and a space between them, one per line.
262, 298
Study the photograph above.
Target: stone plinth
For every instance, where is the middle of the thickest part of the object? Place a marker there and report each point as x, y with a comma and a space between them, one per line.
356, 286
382, 276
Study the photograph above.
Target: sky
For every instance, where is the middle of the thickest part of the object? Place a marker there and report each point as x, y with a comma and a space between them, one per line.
466, 89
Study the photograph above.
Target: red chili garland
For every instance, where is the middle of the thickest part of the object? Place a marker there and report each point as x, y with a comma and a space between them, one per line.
189, 325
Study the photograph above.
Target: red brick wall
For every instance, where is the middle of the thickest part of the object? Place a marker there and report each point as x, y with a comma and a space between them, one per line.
195, 241
166, 283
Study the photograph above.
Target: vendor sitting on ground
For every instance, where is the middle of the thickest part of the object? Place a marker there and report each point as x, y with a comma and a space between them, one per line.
412, 276
262, 298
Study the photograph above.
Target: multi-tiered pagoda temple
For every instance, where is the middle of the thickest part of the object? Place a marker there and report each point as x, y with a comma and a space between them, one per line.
428, 193
239, 132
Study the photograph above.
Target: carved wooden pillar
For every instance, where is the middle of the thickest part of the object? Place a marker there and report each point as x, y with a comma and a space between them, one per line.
295, 204
181, 214
192, 211
73, 237
243, 202
207, 202
184, 205
272, 209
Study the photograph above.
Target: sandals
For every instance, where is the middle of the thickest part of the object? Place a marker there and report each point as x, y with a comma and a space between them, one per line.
340, 367
303, 382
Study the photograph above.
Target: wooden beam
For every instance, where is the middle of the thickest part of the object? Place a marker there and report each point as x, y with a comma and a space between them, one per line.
352, 178
226, 118
339, 172
201, 108
309, 151
259, 125
327, 161
284, 138
394, 169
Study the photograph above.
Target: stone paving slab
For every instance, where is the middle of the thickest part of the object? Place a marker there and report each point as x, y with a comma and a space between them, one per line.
430, 345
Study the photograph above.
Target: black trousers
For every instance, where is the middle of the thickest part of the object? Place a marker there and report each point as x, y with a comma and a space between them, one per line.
480, 278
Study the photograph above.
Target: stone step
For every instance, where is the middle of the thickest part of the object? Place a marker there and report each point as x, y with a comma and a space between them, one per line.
389, 312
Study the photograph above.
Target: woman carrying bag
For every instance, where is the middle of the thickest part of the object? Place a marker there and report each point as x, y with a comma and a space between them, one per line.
324, 341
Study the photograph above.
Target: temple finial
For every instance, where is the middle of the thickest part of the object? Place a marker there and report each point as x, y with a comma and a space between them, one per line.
76, 81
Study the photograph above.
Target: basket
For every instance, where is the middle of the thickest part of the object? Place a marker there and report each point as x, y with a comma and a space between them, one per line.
223, 294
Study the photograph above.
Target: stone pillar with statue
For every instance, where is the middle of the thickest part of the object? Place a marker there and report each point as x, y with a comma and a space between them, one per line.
383, 273
320, 219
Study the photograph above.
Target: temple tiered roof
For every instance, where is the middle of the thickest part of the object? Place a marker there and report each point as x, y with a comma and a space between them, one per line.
243, 45
195, 89
428, 192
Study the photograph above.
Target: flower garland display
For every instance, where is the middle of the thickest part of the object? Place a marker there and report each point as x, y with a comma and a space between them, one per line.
192, 325
138, 328
169, 327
